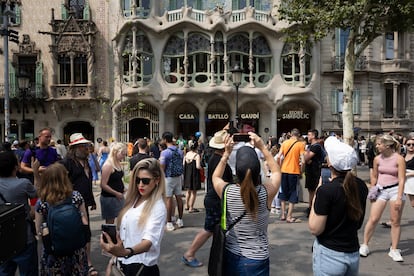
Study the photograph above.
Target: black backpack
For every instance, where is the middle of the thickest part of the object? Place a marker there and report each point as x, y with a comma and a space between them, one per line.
66, 230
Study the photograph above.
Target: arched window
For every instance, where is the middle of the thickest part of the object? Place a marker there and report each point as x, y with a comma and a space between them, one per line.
198, 52
295, 62
262, 61
173, 60
137, 59
238, 50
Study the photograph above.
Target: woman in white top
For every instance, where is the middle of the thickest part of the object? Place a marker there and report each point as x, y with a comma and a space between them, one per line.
141, 222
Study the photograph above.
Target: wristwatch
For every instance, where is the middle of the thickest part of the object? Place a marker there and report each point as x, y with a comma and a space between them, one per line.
131, 252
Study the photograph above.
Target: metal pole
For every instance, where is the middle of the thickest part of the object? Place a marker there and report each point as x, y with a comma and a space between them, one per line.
6, 76
237, 106
23, 114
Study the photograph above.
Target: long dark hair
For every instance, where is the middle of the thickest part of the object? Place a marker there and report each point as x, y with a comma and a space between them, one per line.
353, 202
249, 194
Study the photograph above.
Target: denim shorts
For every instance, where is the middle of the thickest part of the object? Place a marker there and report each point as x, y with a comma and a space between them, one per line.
289, 190
213, 216
328, 262
111, 206
235, 265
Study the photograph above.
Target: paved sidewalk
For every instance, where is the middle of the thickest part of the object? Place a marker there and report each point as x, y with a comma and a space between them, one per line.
290, 244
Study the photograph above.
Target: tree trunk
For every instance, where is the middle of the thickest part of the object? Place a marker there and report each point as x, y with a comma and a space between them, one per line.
348, 87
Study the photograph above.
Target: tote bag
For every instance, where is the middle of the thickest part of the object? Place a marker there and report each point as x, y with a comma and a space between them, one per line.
216, 259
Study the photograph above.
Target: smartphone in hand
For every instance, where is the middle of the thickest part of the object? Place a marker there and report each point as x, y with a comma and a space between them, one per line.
241, 137
110, 229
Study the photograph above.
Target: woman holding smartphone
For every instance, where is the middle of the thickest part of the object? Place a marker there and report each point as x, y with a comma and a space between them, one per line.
141, 221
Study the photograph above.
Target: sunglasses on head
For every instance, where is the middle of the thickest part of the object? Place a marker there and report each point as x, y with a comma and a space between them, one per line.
409, 144
145, 180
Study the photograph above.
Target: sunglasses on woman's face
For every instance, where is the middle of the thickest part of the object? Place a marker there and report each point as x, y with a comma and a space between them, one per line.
409, 144
145, 180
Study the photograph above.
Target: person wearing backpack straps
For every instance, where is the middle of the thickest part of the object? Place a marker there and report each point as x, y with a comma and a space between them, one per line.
18, 191
246, 247
55, 189
171, 160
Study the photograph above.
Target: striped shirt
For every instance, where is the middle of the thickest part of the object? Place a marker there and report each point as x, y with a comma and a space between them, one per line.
248, 238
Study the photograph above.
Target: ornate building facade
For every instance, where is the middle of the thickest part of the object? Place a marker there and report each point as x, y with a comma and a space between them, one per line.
136, 68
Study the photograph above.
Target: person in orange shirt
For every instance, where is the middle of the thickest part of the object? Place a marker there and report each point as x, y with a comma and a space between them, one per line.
291, 157
130, 149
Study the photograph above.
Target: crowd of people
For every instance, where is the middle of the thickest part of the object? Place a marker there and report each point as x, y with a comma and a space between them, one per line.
258, 177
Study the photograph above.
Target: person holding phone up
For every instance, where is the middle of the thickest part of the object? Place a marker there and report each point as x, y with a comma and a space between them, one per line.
141, 221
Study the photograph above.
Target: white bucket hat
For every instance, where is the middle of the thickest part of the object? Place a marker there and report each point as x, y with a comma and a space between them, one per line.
341, 156
77, 138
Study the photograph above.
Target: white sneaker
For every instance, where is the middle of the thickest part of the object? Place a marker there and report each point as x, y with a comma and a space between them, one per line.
395, 254
180, 223
170, 226
363, 250
278, 211
273, 210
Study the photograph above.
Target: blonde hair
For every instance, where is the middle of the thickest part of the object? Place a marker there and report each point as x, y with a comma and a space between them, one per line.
116, 148
55, 185
390, 141
153, 166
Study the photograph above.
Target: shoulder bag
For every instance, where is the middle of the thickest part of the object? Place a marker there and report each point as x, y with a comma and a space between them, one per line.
216, 259
283, 156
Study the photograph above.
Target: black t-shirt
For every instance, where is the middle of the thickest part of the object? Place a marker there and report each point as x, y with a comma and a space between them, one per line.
211, 199
340, 232
136, 158
80, 181
314, 168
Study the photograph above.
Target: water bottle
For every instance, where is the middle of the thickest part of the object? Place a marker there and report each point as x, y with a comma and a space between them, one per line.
47, 244
45, 229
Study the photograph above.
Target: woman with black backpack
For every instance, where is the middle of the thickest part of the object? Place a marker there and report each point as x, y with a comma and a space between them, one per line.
64, 238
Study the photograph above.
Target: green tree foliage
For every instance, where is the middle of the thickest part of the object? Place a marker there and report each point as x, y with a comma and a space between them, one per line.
365, 19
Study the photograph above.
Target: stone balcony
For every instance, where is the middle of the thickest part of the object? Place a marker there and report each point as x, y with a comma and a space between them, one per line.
73, 91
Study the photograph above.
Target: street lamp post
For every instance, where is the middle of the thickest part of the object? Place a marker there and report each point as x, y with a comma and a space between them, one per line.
23, 81
236, 75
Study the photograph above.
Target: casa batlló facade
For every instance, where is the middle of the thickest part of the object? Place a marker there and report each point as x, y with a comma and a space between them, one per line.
136, 68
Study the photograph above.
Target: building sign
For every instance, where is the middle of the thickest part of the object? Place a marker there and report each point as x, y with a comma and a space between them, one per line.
295, 114
218, 116
186, 116
246, 116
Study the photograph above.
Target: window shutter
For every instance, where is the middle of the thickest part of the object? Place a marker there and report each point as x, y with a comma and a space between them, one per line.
86, 11
39, 80
18, 13
356, 102
337, 42
334, 101
12, 81
64, 12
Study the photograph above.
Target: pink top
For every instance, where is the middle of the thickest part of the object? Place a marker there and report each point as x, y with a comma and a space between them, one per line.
388, 170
